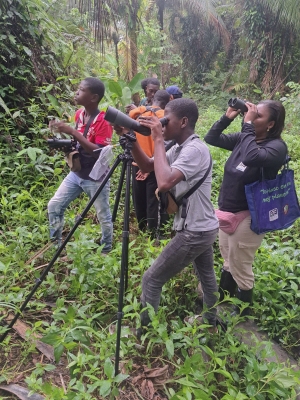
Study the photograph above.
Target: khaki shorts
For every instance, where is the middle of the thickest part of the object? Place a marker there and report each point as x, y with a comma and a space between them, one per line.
238, 251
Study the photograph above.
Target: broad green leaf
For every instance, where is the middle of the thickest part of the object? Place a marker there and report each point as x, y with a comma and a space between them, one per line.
71, 313
251, 390
120, 378
111, 60
49, 87
79, 336
225, 373
109, 368
60, 78
185, 382
126, 96
75, 80
200, 394
53, 101
105, 388
135, 83
12, 39
241, 396
31, 153
52, 338
115, 88
16, 114
284, 379
27, 51
3, 105
58, 352
170, 348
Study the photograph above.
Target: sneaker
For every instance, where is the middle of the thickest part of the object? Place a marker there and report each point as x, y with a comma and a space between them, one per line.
199, 321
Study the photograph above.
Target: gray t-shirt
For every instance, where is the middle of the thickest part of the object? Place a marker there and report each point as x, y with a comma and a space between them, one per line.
192, 159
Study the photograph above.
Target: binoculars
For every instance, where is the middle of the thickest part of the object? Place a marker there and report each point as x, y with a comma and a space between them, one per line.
116, 117
66, 145
237, 104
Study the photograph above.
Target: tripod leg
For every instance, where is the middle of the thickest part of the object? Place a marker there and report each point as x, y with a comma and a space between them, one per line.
63, 245
118, 195
124, 264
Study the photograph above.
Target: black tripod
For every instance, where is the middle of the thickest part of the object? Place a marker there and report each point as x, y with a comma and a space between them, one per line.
126, 158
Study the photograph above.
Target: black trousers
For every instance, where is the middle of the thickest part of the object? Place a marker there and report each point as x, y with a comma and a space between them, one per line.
145, 201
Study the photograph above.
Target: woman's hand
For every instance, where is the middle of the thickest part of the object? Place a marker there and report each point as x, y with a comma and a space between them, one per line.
154, 124
251, 114
231, 113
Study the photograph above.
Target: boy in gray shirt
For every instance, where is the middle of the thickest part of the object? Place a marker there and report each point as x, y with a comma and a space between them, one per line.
179, 170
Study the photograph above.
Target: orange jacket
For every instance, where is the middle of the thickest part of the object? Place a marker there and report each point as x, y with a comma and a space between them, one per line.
146, 142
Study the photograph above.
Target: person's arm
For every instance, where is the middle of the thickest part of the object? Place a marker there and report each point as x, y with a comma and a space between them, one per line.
166, 176
215, 135
62, 127
257, 155
145, 163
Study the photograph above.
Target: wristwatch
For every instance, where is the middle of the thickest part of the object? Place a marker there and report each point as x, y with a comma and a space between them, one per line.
248, 122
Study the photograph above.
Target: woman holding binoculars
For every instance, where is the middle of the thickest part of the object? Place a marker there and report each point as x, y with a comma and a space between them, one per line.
258, 145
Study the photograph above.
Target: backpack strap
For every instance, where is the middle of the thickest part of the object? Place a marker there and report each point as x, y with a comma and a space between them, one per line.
152, 109
91, 119
183, 200
169, 145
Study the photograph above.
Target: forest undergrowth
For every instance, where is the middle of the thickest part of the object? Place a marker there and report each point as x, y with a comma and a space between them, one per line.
74, 309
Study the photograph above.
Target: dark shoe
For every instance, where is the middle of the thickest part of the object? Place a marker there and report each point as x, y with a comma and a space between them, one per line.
227, 284
246, 296
104, 251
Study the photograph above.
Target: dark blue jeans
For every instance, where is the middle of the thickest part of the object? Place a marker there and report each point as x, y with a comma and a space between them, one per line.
185, 248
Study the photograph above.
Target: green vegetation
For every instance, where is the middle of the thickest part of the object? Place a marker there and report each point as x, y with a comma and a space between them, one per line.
46, 49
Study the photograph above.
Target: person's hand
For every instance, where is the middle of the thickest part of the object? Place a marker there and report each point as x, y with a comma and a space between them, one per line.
251, 114
231, 113
154, 124
61, 127
141, 176
129, 108
120, 130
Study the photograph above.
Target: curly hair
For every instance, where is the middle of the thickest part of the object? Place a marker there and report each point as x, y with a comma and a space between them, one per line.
184, 108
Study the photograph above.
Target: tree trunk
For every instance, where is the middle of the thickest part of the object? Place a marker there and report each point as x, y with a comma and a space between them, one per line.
132, 34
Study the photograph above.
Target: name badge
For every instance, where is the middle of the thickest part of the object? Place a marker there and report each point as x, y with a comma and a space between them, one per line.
241, 167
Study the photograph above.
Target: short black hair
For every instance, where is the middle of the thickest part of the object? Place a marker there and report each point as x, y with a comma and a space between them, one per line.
95, 86
144, 83
153, 81
184, 108
161, 98
277, 114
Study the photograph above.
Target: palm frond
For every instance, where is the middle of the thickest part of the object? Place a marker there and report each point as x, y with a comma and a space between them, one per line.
288, 11
206, 9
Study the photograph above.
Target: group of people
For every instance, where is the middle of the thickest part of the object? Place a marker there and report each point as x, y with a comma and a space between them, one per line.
177, 170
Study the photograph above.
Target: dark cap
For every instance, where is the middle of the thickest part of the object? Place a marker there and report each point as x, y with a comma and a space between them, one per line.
174, 90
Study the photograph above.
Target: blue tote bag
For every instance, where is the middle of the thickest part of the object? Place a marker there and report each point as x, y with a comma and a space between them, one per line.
273, 204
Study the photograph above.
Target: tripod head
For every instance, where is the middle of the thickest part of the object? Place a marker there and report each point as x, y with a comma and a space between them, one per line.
126, 141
